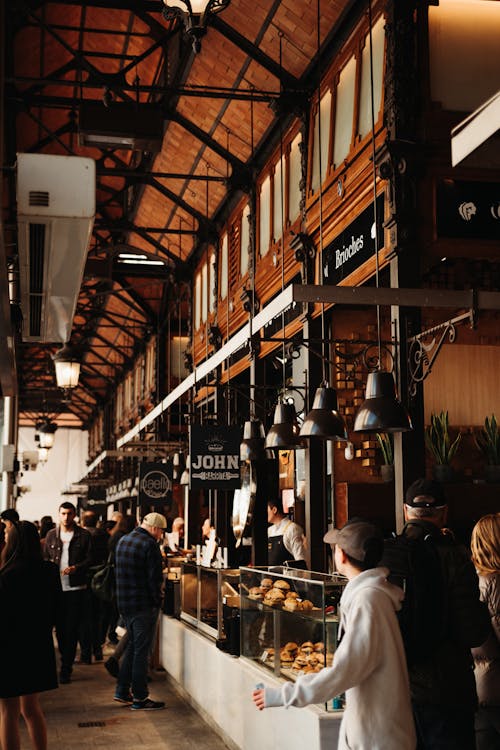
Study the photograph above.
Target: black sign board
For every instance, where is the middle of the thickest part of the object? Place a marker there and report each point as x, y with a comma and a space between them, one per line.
468, 210
214, 453
354, 245
154, 484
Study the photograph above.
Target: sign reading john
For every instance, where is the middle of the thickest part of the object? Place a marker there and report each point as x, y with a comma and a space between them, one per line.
154, 484
214, 457
354, 245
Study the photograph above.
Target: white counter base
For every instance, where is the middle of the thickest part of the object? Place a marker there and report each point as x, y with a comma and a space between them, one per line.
219, 686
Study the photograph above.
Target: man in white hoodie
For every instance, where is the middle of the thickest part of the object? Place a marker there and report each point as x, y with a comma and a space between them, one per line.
369, 664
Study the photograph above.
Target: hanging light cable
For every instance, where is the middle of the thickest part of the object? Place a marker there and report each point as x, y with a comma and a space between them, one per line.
284, 433
323, 420
381, 411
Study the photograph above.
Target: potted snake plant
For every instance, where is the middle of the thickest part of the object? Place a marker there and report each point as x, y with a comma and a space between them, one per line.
385, 445
488, 442
440, 445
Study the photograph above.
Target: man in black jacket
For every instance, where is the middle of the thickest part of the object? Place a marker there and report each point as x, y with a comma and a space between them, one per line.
442, 685
70, 547
93, 630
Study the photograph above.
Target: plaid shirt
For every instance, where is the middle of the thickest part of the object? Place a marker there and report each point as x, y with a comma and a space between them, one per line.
139, 577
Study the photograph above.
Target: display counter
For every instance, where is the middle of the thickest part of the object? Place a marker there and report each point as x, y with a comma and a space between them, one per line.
220, 687
289, 620
203, 591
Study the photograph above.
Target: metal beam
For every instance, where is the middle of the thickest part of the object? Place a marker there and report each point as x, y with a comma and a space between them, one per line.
363, 295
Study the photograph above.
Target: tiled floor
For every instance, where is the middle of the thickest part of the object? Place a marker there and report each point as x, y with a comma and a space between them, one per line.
87, 700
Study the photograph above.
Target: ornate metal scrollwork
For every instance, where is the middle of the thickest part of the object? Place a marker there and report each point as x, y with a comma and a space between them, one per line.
424, 348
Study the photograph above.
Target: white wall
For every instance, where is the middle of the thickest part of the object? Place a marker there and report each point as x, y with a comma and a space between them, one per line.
66, 464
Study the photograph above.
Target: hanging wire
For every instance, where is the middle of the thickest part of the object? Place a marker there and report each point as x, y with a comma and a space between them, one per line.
320, 166
282, 207
374, 175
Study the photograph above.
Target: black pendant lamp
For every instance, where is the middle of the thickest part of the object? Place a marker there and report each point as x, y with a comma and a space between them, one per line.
324, 421
252, 446
381, 411
284, 434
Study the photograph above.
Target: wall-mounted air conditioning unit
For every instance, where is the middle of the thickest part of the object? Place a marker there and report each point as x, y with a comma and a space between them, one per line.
55, 210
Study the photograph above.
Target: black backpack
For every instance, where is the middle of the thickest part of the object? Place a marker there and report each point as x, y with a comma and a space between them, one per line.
415, 566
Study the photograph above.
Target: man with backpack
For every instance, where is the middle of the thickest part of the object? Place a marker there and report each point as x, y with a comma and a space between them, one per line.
441, 620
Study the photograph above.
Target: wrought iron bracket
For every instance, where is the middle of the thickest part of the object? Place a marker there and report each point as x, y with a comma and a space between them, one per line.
424, 347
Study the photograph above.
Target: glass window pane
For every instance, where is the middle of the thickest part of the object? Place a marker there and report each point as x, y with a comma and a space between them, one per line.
245, 240
279, 195
344, 112
264, 216
294, 195
325, 112
197, 301
212, 290
365, 114
204, 292
223, 267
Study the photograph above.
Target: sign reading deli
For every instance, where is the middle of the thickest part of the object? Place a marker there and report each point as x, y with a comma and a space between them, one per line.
154, 484
354, 245
214, 457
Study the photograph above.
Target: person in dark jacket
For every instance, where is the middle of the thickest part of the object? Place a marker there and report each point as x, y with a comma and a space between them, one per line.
485, 546
30, 592
442, 686
70, 548
93, 631
139, 581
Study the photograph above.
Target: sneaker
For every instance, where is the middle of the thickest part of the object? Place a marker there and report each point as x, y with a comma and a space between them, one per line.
147, 705
112, 666
64, 678
124, 699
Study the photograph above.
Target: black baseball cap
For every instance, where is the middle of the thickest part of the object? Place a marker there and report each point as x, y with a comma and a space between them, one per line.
425, 493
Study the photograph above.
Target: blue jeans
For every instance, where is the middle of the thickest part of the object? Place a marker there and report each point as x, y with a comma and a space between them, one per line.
133, 675
444, 728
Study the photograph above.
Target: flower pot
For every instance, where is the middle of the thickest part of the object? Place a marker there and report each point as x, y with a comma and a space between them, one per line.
443, 472
492, 473
387, 472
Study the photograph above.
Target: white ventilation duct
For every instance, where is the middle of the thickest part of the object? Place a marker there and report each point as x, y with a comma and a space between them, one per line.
55, 210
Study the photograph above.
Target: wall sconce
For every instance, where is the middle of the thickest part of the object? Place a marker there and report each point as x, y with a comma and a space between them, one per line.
67, 363
46, 433
188, 361
246, 298
195, 15
214, 337
302, 246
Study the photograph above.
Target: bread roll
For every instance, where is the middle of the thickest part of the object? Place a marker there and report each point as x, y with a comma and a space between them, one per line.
283, 585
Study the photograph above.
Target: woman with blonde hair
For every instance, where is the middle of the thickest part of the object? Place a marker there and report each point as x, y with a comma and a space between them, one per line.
485, 547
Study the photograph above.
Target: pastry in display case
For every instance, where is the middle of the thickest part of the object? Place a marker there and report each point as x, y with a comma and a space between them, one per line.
289, 619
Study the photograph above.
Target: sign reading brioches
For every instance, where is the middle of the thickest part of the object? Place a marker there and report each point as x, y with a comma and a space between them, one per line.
214, 457
154, 484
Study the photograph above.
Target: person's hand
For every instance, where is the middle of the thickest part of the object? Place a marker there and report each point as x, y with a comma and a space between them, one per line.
68, 570
258, 697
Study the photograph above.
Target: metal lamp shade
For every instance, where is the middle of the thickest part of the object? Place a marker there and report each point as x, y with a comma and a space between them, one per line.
252, 445
381, 411
284, 434
324, 421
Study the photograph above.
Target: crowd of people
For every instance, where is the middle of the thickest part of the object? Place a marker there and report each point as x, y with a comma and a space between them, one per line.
443, 696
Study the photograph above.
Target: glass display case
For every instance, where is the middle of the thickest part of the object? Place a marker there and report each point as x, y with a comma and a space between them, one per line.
203, 591
289, 619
